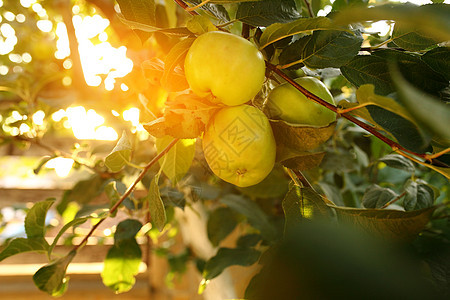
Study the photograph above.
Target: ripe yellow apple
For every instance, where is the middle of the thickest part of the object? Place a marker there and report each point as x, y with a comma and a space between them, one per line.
287, 103
239, 145
225, 65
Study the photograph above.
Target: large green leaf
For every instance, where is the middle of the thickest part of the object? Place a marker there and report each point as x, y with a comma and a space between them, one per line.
21, 245
254, 214
386, 223
267, 12
341, 4
278, 31
325, 49
216, 10
439, 60
399, 162
120, 155
431, 19
35, 219
85, 190
410, 39
178, 160
364, 69
226, 257
51, 278
221, 223
156, 205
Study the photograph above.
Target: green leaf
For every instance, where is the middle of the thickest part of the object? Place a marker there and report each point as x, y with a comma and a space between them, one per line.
216, 10
300, 160
126, 230
366, 96
156, 205
386, 223
326, 49
174, 58
73, 223
112, 194
120, 155
177, 31
410, 39
431, 19
278, 31
406, 133
274, 185
21, 245
399, 162
341, 4
221, 223
439, 60
302, 203
431, 113
85, 190
140, 11
199, 24
255, 215
121, 265
178, 160
226, 257
364, 69
377, 196
35, 219
248, 240
51, 278
267, 12
418, 195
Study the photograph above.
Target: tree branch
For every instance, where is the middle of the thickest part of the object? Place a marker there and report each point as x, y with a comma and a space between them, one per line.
186, 7
127, 192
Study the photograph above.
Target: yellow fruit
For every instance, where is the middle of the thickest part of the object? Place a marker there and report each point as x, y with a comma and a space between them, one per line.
239, 145
287, 103
225, 65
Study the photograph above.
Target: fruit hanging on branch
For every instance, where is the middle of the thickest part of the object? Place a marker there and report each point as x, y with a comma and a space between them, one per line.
239, 145
287, 103
226, 66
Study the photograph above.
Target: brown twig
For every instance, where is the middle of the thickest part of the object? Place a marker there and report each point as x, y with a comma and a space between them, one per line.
186, 7
127, 192
394, 200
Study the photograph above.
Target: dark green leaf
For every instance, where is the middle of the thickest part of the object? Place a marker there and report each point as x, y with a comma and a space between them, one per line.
377, 196
399, 162
248, 240
221, 223
439, 60
406, 133
86, 190
35, 219
120, 155
255, 216
126, 230
418, 196
278, 31
122, 265
431, 113
216, 10
341, 4
267, 12
21, 245
226, 257
328, 48
51, 278
112, 194
172, 197
409, 39
364, 69
155, 205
